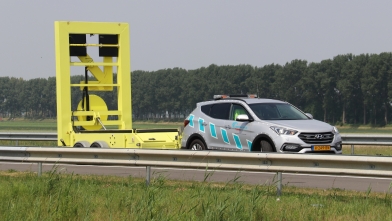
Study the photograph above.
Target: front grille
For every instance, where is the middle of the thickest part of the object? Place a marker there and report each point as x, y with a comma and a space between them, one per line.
316, 138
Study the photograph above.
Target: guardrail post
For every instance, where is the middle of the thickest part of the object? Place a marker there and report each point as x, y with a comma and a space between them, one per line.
352, 149
148, 173
279, 184
16, 142
40, 169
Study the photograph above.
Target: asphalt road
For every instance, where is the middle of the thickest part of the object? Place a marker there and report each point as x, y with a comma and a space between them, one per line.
290, 179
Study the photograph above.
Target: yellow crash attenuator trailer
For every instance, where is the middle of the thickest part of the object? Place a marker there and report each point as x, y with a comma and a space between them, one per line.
88, 125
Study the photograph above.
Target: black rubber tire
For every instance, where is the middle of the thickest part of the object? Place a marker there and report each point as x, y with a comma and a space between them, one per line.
82, 144
99, 144
266, 146
95, 145
78, 145
197, 145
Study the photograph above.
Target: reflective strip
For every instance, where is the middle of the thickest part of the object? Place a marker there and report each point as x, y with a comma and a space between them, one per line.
249, 145
191, 124
224, 136
237, 141
213, 130
201, 126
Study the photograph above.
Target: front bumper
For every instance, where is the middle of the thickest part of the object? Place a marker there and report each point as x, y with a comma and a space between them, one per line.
310, 150
294, 144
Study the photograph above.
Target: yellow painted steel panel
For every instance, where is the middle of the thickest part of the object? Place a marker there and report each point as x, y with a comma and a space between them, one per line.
103, 73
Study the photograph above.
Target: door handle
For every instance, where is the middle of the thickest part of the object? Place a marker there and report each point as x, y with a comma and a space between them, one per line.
227, 127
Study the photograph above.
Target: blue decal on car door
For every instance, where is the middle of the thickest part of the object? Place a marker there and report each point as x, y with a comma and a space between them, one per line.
237, 141
249, 145
213, 130
201, 125
224, 136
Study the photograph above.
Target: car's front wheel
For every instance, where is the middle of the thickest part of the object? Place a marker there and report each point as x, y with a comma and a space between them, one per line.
197, 144
266, 146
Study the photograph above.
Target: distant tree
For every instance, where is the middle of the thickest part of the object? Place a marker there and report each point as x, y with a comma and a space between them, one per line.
287, 84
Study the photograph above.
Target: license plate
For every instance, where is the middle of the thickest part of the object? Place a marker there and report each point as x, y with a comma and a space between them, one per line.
321, 147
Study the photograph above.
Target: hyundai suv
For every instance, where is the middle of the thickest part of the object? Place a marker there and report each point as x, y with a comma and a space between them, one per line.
249, 123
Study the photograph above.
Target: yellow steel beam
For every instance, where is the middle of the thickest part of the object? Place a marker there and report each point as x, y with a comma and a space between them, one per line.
104, 78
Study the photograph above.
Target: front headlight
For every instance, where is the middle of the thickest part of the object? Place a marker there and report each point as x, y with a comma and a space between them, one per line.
283, 131
335, 130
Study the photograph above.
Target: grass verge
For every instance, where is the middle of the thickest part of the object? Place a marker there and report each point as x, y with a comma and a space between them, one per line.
50, 125
368, 150
56, 196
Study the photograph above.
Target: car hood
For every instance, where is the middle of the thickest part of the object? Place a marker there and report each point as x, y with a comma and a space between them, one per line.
313, 126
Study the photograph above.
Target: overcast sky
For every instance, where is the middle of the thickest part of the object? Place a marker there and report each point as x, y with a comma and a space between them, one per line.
194, 34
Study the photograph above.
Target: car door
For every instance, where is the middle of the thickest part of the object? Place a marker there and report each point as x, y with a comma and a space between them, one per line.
219, 136
240, 132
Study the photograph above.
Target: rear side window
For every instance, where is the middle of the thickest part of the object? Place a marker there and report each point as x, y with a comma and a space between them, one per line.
206, 109
220, 111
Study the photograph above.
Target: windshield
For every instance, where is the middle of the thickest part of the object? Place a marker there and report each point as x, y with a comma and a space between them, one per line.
277, 111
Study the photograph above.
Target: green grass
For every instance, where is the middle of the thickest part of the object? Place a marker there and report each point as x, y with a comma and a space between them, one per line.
365, 129
368, 150
29, 125
54, 196
28, 143
50, 125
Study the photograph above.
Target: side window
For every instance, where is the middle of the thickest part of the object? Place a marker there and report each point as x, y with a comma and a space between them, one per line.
206, 109
237, 110
220, 111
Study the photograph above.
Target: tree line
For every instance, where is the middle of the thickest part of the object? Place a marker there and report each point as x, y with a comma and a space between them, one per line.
348, 89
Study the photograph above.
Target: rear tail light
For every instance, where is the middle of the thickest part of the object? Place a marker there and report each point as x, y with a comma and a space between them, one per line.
186, 122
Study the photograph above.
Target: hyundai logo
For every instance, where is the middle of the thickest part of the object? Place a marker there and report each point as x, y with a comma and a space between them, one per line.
319, 136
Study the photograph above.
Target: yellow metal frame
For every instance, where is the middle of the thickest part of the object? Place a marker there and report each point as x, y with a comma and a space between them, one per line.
104, 79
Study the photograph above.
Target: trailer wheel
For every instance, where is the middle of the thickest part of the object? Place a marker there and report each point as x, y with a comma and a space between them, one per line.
82, 144
99, 144
197, 145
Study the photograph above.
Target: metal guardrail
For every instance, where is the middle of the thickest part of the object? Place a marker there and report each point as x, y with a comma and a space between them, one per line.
348, 139
268, 162
367, 139
29, 136
375, 166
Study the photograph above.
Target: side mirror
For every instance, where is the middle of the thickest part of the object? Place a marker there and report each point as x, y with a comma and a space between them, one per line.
243, 117
309, 115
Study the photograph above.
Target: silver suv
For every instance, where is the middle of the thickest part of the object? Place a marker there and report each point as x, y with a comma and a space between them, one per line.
248, 123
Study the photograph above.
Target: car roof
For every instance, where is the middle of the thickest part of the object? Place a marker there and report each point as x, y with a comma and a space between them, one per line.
246, 100
261, 100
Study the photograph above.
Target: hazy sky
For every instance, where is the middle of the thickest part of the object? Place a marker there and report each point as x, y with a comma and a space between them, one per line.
193, 34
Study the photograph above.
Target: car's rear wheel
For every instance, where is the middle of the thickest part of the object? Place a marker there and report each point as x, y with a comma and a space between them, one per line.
197, 144
266, 146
